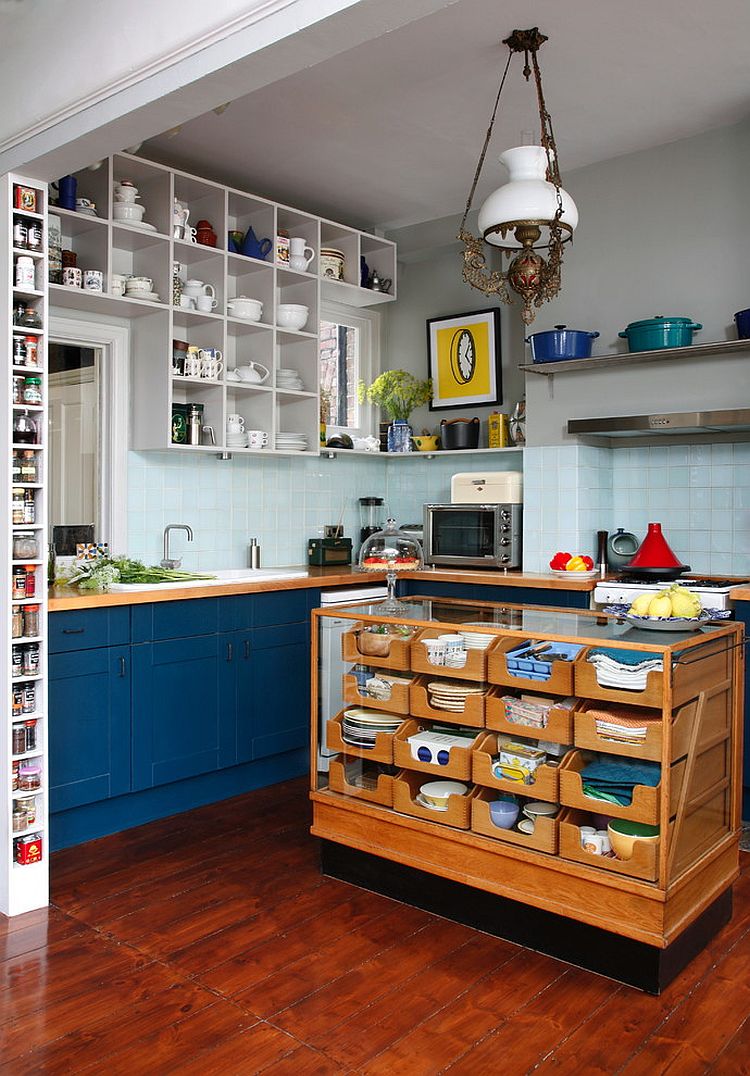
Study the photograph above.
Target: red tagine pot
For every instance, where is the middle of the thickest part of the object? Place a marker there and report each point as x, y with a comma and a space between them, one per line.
655, 555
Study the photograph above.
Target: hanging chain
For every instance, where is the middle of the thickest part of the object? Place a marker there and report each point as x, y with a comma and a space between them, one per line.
487, 138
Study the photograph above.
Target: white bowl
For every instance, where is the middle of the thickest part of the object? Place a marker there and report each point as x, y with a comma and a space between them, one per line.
242, 307
292, 316
128, 211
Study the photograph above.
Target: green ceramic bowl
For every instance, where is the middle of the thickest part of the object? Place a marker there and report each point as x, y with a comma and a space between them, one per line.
624, 835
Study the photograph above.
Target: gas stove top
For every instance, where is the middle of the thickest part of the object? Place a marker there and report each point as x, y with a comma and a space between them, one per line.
713, 592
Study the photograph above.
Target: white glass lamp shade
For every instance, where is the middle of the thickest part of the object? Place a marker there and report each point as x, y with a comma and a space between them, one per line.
527, 196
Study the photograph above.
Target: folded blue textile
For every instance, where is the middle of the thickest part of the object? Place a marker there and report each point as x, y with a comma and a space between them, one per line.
624, 657
617, 776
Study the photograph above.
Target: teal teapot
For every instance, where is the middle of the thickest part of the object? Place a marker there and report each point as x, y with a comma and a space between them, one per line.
252, 247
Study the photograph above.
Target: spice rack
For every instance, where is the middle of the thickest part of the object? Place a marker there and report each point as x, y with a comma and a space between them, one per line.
696, 707
24, 880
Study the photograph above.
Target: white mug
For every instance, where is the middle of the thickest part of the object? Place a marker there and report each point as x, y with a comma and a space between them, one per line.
257, 438
592, 842
93, 280
235, 424
192, 365
205, 302
211, 368
187, 302
193, 288
117, 284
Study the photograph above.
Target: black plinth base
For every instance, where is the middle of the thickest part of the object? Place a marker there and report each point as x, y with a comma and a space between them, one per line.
631, 962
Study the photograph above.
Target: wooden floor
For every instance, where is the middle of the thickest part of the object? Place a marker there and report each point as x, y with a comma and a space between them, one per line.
209, 943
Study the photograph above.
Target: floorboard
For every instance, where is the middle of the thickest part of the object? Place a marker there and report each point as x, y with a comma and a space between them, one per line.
166, 950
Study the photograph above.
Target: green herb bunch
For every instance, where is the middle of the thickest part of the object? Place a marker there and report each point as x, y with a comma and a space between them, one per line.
397, 393
99, 574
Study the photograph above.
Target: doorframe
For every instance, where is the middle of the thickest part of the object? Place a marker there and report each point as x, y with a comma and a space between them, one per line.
114, 341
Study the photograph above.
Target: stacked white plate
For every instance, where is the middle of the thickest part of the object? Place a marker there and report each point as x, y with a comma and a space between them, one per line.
476, 640
237, 440
139, 225
291, 442
360, 727
451, 694
289, 379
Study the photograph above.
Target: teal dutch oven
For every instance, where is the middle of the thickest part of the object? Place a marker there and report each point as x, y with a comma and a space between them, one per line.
659, 332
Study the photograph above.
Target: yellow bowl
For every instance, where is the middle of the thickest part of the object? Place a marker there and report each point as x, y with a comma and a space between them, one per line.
624, 835
426, 444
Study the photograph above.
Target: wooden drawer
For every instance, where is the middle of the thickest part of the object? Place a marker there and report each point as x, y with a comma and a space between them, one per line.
381, 752
587, 686
546, 778
337, 782
458, 766
406, 785
586, 736
397, 704
543, 839
475, 667
419, 706
86, 629
644, 808
398, 656
560, 681
559, 727
644, 863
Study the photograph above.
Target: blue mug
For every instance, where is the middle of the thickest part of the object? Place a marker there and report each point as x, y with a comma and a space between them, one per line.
66, 192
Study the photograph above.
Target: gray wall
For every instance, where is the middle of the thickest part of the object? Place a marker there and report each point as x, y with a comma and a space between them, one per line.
664, 231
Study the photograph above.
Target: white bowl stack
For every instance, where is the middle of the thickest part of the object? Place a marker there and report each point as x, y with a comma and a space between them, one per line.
289, 379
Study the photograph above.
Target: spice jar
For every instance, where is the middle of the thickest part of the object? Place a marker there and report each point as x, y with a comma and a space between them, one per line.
29, 466
31, 659
31, 351
17, 622
20, 234
32, 390
27, 317
24, 275
19, 350
19, 739
31, 737
19, 819
14, 776
18, 584
18, 387
17, 700
30, 580
25, 546
24, 429
31, 621
28, 804
16, 662
34, 235
28, 705
29, 506
29, 777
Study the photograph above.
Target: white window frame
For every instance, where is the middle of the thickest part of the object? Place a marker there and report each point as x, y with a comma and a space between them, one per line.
114, 342
369, 323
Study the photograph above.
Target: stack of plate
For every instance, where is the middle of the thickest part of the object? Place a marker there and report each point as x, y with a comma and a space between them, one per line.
451, 694
289, 379
360, 727
291, 442
476, 640
139, 225
237, 440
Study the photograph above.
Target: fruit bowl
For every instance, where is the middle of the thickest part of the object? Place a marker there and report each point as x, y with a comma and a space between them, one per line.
574, 575
668, 623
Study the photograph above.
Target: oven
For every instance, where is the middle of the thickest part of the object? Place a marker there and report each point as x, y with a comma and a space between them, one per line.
473, 535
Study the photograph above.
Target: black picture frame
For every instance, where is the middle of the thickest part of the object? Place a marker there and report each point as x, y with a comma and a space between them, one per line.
460, 326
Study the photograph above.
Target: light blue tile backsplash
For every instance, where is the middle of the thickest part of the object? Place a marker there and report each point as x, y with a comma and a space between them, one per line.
699, 493
281, 501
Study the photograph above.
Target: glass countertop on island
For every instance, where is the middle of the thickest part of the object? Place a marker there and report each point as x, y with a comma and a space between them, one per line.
590, 627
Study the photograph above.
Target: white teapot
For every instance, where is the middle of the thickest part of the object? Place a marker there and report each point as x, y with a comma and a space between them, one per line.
180, 214
253, 372
194, 288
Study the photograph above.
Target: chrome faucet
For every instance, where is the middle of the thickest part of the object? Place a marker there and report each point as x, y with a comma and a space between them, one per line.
172, 562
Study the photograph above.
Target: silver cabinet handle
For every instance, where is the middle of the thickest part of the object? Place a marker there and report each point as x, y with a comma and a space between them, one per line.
230, 651
123, 666
247, 648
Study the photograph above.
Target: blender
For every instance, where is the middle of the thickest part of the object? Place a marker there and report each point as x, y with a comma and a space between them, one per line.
370, 517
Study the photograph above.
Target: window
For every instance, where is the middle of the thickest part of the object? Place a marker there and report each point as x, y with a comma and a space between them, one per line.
349, 353
88, 430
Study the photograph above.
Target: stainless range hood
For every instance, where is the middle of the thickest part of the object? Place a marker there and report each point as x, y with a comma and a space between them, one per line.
735, 421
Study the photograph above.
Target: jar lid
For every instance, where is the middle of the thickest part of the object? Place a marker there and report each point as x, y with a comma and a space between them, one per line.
33, 380
28, 769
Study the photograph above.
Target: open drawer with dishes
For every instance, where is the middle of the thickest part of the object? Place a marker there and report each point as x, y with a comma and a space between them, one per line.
432, 747
514, 765
524, 714
456, 701
516, 820
449, 653
615, 785
617, 804
529, 663
368, 781
610, 844
386, 646
445, 802
364, 733
378, 689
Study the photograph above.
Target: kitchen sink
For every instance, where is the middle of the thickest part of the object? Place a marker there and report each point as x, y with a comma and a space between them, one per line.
221, 577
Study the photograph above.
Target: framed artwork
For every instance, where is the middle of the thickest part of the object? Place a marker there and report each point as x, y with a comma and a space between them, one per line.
464, 360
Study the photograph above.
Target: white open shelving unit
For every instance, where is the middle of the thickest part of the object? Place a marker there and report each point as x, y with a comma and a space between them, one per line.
102, 243
23, 887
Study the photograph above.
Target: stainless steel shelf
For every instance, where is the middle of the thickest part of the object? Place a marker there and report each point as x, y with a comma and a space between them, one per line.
667, 354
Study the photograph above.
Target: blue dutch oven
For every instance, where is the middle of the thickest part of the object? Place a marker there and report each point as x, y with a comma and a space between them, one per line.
559, 344
742, 321
659, 332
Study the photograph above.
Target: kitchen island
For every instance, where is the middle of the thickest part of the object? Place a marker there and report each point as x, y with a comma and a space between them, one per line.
640, 918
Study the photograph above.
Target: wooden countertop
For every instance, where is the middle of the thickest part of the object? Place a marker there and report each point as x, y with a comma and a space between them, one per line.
63, 598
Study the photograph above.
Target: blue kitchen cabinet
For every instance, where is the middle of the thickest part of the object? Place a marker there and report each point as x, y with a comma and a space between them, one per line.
279, 685
742, 613
183, 708
496, 592
89, 726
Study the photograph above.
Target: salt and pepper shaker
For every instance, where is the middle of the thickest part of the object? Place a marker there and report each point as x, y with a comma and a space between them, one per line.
253, 552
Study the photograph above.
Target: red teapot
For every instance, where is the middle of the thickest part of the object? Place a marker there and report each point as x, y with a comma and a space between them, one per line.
204, 234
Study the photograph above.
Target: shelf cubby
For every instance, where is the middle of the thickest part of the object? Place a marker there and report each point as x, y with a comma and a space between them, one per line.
337, 237
154, 189
245, 212
301, 226
204, 201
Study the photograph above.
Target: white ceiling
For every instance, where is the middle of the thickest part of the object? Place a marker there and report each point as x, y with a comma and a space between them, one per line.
388, 134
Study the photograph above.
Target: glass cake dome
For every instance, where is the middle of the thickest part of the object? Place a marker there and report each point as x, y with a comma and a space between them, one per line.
392, 551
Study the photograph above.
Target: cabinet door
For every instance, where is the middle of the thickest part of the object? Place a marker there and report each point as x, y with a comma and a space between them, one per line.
89, 726
183, 709
279, 666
